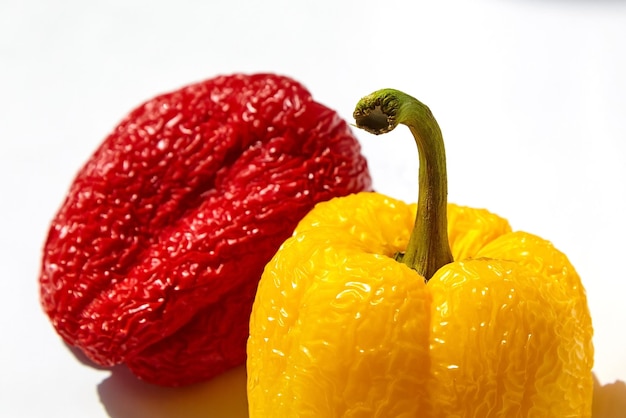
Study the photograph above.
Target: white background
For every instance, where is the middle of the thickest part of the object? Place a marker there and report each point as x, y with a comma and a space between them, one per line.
530, 95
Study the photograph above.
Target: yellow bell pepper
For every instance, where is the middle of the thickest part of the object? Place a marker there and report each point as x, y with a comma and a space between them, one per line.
377, 308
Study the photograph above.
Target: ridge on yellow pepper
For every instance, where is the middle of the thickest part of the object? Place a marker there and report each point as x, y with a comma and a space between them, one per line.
377, 308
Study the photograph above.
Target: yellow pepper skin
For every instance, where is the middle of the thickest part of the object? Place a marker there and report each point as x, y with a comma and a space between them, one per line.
341, 329
376, 308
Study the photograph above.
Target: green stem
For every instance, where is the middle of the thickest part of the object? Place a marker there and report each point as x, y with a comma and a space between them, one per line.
380, 112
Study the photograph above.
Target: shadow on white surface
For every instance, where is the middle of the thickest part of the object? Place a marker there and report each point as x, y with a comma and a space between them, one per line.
125, 396
609, 401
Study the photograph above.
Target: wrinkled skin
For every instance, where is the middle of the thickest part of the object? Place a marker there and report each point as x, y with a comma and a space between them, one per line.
341, 329
154, 257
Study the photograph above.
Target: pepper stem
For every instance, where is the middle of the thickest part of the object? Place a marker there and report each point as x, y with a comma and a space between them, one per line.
380, 112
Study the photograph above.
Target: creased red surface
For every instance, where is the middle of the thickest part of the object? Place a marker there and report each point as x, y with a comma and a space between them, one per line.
154, 257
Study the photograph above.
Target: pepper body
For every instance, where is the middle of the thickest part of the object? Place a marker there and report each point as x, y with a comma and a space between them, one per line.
154, 257
341, 329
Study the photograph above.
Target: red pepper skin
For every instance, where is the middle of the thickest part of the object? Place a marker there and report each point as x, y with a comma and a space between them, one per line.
154, 257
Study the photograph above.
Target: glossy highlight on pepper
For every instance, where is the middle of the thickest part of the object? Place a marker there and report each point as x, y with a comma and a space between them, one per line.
344, 326
154, 257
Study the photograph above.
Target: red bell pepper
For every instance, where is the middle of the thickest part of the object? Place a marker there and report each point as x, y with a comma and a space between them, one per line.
154, 257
